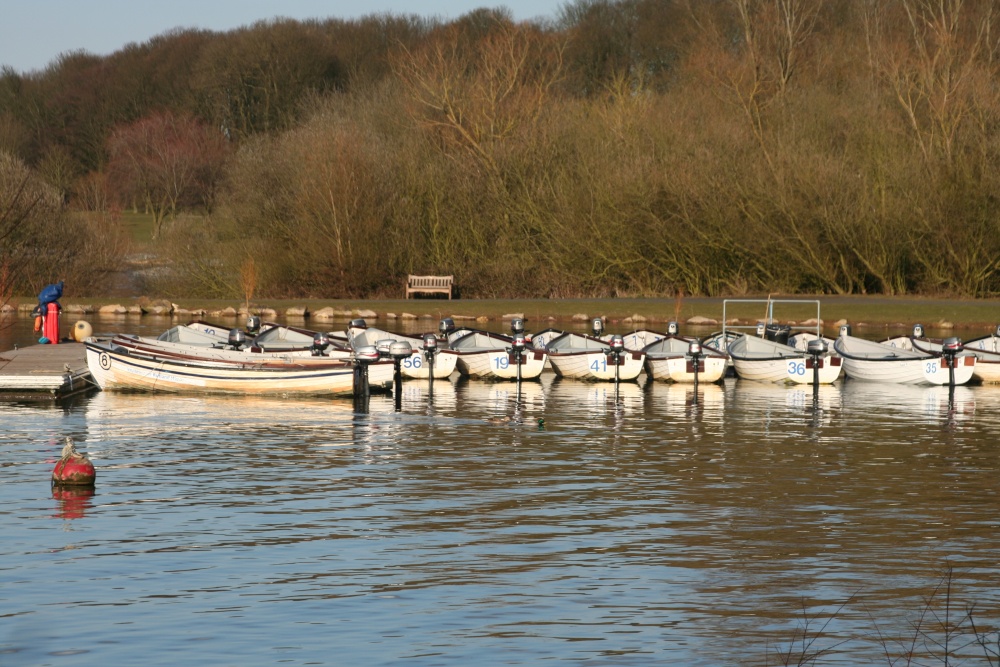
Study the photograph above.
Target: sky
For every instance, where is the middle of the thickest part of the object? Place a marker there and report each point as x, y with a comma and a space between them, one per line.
34, 32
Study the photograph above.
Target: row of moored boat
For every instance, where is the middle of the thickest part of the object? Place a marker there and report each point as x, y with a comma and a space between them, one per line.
277, 359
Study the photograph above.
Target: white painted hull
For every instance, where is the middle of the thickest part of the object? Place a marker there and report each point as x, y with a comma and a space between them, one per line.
116, 371
416, 365
595, 365
876, 362
987, 372
680, 369
987, 353
498, 365
791, 371
764, 360
185, 350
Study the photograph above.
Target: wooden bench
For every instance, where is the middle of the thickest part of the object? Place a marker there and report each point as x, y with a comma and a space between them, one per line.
429, 285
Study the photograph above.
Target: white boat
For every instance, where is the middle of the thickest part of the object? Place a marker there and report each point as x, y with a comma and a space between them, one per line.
487, 355
765, 360
416, 365
542, 338
986, 349
115, 368
877, 362
668, 358
987, 352
269, 337
641, 338
582, 357
155, 346
277, 337
195, 335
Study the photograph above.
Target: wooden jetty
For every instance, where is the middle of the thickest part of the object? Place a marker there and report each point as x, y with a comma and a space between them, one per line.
44, 372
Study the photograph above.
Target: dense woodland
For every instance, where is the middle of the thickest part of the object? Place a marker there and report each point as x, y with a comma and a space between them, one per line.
624, 147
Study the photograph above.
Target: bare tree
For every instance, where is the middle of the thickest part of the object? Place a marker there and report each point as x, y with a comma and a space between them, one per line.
164, 161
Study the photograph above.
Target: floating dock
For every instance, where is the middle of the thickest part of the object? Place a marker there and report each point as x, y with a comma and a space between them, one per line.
44, 372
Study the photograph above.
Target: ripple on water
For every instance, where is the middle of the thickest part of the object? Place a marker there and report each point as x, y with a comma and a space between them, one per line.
646, 525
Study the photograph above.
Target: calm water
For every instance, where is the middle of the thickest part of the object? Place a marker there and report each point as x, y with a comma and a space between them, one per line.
650, 526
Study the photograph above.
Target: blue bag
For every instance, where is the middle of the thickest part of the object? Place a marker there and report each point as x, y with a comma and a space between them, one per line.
50, 293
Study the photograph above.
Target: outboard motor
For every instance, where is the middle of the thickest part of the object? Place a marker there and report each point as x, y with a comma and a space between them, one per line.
517, 326
845, 330
515, 353
359, 323
672, 328
918, 330
363, 357
694, 351
446, 326
321, 341
237, 338
383, 347
253, 325
616, 346
430, 344
597, 327
816, 348
950, 347
760, 330
398, 350
997, 332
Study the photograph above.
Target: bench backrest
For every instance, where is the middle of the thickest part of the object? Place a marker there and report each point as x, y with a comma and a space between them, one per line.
430, 281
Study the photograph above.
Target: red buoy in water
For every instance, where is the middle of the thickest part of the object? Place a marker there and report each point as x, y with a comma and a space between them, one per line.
73, 468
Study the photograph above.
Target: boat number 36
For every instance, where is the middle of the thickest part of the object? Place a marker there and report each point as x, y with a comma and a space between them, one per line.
797, 367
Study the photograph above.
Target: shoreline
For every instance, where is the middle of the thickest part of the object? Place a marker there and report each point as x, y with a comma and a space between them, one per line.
860, 311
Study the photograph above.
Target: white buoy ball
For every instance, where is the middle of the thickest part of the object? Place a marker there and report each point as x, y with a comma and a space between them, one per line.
82, 330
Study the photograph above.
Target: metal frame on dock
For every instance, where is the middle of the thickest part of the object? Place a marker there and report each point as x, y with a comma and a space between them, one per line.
770, 312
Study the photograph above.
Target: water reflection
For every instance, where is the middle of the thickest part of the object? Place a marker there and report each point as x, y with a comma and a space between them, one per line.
649, 525
72, 501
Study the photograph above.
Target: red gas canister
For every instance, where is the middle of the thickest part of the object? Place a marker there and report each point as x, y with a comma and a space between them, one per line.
50, 323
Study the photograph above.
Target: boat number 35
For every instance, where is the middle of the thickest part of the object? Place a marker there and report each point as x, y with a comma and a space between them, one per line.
932, 367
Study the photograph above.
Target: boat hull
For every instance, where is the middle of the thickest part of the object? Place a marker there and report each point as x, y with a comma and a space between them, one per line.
118, 371
681, 369
892, 362
499, 364
416, 366
597, 365
793, 370
910, 371
765, 360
